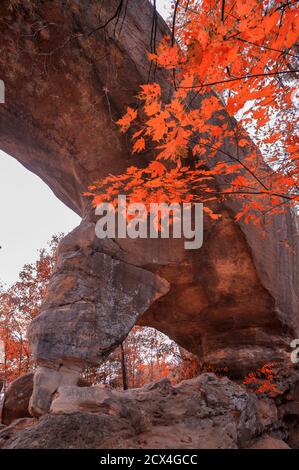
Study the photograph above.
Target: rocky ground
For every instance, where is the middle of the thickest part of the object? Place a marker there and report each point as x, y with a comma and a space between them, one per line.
205, 412
233, 303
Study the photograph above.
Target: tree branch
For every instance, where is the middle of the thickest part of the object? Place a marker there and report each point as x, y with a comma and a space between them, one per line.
244, 77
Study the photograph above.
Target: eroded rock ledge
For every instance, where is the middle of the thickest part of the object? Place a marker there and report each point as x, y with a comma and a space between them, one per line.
204, 412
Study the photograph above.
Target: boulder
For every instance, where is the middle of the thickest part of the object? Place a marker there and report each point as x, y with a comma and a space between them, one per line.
17, 397
16, 400
69, 399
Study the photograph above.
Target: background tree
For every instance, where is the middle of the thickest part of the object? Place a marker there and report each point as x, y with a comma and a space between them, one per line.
148, 356
19, 304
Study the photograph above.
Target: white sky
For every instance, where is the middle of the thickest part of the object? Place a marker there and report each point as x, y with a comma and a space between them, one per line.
163, 7
29, 215
29, 212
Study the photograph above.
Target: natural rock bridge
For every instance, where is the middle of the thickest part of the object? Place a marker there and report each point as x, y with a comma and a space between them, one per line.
234, 302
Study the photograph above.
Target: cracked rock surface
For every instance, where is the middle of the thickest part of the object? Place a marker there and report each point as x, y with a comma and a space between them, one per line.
205, 412
93, 302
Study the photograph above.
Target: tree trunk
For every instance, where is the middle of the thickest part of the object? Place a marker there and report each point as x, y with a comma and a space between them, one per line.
124, 367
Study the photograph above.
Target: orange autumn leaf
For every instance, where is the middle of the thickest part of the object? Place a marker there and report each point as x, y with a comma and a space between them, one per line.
243, 142
244, 7
168, 56
127, 119
157, 168
157, 126
229, 108
139, 145
211, 214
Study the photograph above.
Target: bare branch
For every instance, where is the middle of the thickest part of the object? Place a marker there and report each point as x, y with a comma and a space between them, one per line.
222, 10
244, 77
234, 159
265, 47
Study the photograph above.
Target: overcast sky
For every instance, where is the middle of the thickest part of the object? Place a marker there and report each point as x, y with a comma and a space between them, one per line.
29, 215
29, 212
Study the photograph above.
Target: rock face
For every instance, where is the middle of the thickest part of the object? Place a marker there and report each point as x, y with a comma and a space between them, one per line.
16, 401
205, 412
93, 302
234, 302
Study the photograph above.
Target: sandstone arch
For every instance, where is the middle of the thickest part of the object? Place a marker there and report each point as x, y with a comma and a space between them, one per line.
234, 302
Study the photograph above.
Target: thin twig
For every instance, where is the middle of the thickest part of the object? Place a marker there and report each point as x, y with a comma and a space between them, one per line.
222, 10
103, 26
244, 77
234, 159
265, 47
